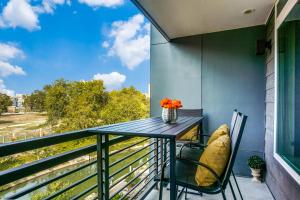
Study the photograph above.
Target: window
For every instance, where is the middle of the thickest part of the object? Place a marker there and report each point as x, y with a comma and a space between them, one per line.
288, 89
280, 5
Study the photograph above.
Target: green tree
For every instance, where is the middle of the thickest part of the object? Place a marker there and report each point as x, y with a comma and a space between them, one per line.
86, 99
36, 101
5, 101
56, 100
125, 105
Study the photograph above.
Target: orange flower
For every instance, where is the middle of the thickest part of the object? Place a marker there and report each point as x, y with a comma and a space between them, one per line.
165, 102
176, 104
168, 103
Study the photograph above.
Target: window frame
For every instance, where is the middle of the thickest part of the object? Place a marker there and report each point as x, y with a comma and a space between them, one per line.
279, 19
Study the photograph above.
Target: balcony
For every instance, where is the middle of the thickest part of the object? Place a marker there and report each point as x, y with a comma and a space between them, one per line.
209, 57
131, 163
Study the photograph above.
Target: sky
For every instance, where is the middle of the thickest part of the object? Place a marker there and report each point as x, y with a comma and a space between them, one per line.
45, 40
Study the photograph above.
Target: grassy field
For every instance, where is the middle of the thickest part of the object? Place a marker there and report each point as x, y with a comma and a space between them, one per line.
23, 126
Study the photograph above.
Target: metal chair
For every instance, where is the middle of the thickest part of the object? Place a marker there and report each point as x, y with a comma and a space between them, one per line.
187, 150
192, 113
186, 168
192, 154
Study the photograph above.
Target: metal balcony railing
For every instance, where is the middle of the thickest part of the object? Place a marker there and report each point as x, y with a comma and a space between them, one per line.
124, 166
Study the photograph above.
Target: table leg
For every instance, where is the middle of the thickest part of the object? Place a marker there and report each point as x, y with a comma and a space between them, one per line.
173, 189
200, 131
100, 165
156, 159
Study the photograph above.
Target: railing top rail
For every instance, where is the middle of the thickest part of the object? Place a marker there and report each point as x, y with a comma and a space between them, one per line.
11, 148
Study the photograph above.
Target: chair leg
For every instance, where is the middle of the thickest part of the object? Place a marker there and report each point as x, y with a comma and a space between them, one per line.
223, 195
232, 190
185, 197
161, 190
237, 186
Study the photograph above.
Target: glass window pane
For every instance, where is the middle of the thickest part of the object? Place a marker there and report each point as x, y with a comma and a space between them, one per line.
280, 5
288, 138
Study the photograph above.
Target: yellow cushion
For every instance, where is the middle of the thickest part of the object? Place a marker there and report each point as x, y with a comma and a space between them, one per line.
190, 135
216, 156
222, 130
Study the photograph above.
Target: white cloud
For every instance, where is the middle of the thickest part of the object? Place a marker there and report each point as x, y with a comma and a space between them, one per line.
112, 81
130, 41
4, 90
9, 51
48, 6
19, 13
102, 3
7, 69
105, 44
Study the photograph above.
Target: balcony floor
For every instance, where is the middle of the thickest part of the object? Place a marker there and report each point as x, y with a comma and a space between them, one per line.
250, 191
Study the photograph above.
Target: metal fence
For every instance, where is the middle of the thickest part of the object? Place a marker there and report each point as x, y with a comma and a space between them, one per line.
124, 166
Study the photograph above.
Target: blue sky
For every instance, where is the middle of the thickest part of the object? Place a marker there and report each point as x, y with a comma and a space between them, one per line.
44, 40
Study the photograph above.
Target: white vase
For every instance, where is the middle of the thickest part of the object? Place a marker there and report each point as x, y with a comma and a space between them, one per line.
169, 115
256, 175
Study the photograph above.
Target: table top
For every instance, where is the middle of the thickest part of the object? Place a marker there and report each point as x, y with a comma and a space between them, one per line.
151, 127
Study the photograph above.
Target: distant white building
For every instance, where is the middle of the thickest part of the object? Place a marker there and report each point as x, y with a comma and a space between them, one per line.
17, 103
19, 100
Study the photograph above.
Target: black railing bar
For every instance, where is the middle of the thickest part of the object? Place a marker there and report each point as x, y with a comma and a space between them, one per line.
129, 155
148, 190
122, 188
31, 189
116, 140
132, 145
11, 148
84, 192
167, 164
144, 194
124, 177
70, 186
22, 171
131, 163
133, 188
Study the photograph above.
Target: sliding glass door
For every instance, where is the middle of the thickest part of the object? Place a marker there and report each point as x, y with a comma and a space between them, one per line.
288, 79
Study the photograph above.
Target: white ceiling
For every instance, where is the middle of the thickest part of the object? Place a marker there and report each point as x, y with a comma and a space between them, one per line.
179, 18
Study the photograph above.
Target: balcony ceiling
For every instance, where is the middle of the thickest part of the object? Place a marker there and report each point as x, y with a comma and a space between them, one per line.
180, 18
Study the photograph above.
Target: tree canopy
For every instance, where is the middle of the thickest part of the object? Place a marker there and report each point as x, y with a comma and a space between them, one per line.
5, 101
56, 100
75, 105
84, 105
125, 105
36, 101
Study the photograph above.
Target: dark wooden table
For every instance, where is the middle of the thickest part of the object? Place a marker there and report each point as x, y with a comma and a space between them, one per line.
155, 128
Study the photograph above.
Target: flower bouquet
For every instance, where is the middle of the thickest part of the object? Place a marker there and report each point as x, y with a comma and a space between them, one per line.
169, 112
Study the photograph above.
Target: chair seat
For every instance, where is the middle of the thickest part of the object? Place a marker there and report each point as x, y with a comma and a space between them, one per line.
192, 153
185, 177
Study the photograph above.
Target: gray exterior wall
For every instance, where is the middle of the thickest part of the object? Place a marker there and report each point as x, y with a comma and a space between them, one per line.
218, 72
281, 184
175, 71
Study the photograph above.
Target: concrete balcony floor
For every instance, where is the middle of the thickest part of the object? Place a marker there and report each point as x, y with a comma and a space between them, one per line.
250, 191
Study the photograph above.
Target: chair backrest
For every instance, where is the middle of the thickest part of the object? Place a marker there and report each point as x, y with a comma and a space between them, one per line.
235, 143
190, 112
233, 120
